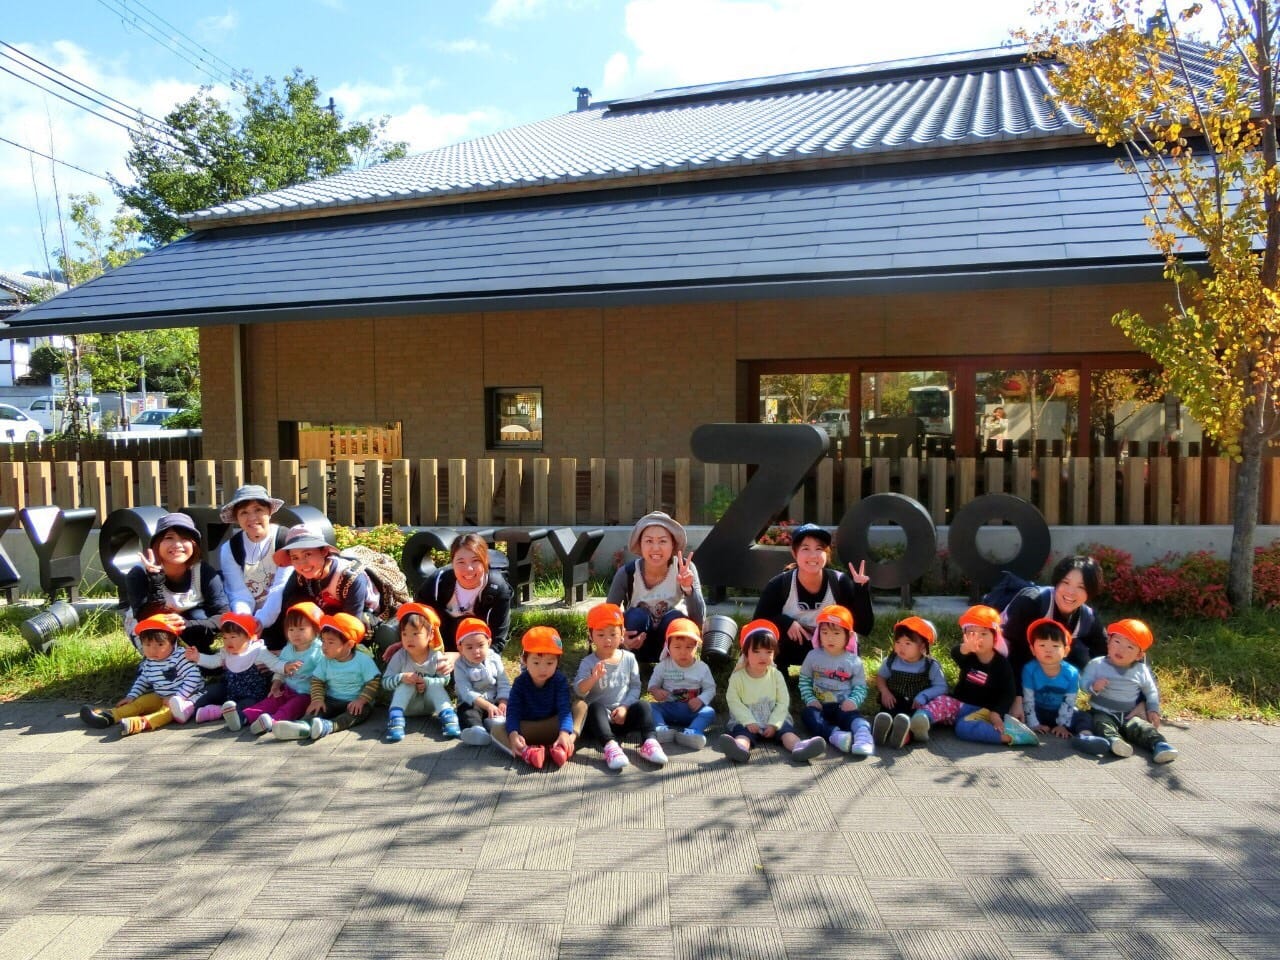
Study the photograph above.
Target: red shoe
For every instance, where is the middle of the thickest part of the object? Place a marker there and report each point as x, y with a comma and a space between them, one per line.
534, 756
560, 754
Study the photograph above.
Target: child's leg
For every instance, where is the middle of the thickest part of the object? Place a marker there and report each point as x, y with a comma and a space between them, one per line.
265, 705
540, 732
817, 720
293, 708
469, 715
215, 694
595, 724
973, 723
147, 703
640, 718
737, 743
408, 701
158, 718
943, 710
1141, 733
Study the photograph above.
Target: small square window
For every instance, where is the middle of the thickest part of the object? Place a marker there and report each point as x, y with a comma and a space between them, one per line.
513, 418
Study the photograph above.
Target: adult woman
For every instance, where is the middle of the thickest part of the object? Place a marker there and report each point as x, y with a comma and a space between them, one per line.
1075, 580
659, 586
793, 598
254, 582
468, 588
331, 582
172, 582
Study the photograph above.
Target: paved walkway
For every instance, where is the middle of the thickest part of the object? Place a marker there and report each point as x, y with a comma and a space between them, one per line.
192, 842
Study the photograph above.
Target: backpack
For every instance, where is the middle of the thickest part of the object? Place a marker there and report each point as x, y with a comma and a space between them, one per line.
385, 576
1006, 588
237, 543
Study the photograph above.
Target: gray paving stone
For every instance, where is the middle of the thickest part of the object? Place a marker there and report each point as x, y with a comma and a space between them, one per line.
701, 899
827, 944
1022, 945
1069, 855
532, 940
608, 848
805, 852
1224, 906
984, 854
1028, 904
604, 943
529, 847
515, 896
1192, 946
898, 855
614, 900
903, 904
741, 942
802, 813
165, 940
957, 813
389, 939
823, 901
712, 850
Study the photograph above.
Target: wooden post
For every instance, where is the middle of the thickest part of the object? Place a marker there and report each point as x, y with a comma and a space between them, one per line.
13, 486
1022, 478
825, 490
852, 481
1270, 506
485, 485
66, 484
1135, 490
149, 484
95, 487
710, 480
457, 491
428, 492
880, 478
1078, 492
909, 477
401, 498
513, 490
232, 477
966, 481
318, 485
937, 476
1051, 490
260, 473
121, 484
652, 484
176, 493
287, 486
373, 493
345, 505
1217, 491
1104, 486
1161, 491
684, 490
993, 474
626, 491
568, 491
40, 483
599, 486
541, 491
205, 476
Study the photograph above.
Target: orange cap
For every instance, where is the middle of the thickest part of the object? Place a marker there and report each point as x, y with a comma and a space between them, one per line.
921, 627
1043, 621
308, 610
351, 628
757, 626
836, 614
469, 625
244, 621
155, 623
1135, 631
542, 639
986, 617
683, 627
422, 610
604, 615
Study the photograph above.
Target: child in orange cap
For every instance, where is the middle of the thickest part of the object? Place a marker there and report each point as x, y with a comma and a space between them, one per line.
343, 685
1124, 701
242, 684
984, 691
608, 681
833, 684
480, 680
290, 692
682, 688
759, 705
539, 712
164, 675
1050, 684
908, 679
413, 673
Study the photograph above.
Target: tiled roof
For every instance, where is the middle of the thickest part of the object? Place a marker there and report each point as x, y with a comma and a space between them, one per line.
24, 285
984, 98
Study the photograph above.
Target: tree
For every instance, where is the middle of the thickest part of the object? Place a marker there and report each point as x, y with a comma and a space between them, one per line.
1196, 119
281, 137
805, 395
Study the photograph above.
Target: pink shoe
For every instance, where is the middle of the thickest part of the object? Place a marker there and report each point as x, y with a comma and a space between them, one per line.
614, 758
652, 751
182, 708
208, 714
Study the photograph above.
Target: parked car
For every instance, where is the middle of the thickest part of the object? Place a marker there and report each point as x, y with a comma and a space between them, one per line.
835, 422
149, 421
18, 425
50, 412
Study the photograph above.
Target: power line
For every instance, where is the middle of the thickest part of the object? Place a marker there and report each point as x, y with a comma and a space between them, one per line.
155, 31
234, 71
54, 159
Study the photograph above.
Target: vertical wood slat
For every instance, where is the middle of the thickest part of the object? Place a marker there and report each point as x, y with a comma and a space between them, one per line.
149, 484
66, 484
1078, 492
13, 484
232, 477
1051, 490
514, 490
541, 491
1104, 490
344, 507
966, 482
1022, 478
205, 477
121, 484
401, 492
1217, 490
457, 509
936, 475
568, 491
428, 492
373, 492
1269, 511
652, 484
880, 475
710, 480
176, 492
485, 485
909, 477
1135, 492
318, 484
1161, 490
40, 483
626, 491
825, 491
852, 481
95, 488
684, 490
993, 474
288, 484
260, 473
599, 487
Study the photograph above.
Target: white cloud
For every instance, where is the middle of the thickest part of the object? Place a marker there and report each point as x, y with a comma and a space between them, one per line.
215, 28
463, 46
679, 42
424, 129
503, 12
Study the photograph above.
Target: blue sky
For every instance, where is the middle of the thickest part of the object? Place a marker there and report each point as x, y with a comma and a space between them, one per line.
442, 70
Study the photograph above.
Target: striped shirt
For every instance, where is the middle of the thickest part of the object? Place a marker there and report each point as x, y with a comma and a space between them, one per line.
174, 675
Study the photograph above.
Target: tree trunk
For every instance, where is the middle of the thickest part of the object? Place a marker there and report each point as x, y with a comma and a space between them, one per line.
1244, 518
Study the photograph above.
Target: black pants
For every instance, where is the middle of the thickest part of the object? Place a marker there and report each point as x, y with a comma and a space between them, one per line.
596, 725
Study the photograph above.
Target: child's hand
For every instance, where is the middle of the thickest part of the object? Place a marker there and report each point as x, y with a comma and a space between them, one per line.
292, 667
499, 710
565, 740
276, 687
1153, 718
1041, 728
123, 701
1017, 712
313, 709
446, 664
192, 654
618, 715
997, 721
694, 703
517, 743
420, 682
356, 706
769, 732
848, 706
797, 632
597, 673
1099, 685
659, 695
753, 728
1061, 731
887, 700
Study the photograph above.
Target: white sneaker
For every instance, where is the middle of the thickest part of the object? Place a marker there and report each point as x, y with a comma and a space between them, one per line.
652, 751
181, 708
842, 740
263, 724
475, 736
663, 733
691, 738
614, 758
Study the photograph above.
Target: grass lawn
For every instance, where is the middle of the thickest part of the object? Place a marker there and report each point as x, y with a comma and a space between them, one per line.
1214, 669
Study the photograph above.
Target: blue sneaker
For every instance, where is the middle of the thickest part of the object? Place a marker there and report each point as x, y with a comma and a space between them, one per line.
449, 723
1164, 752
395, 726
320, 728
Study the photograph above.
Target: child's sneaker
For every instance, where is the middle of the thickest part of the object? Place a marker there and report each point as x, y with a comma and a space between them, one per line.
842, 740
560, 753
1120, 747
899, 731
132, 725
1020, 735
663, 734
652, 751
290, 730
1164, 752
320, 727
231, 716
475, 737
614, 757
863, 745
263, 724
96, 718
880, 727
534, 756
395, 725
810, 749
691, 738
208, 713
728, 745
919, 726
181, 708
1088, 743
449, 722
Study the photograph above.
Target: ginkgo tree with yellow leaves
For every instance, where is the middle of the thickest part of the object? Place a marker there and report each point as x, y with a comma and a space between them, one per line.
1189, 94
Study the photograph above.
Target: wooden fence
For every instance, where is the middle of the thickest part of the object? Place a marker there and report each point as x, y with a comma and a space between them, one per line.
100, 448
350, 443
1073, 491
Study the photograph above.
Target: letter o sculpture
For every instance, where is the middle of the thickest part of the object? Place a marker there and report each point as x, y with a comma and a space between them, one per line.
962, 537
853, 538
124, 535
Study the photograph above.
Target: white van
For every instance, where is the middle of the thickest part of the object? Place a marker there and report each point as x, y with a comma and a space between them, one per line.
50, 411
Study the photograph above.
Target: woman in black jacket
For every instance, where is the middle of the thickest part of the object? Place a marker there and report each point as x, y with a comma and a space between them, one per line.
468, 588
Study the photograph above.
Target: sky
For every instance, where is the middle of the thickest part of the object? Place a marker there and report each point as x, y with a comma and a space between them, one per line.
441, 70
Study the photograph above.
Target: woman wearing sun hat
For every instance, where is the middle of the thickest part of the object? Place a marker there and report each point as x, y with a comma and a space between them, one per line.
172, 581
320, 576
253, 581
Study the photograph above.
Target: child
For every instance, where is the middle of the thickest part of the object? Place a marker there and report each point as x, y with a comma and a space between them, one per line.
759, 704
538, 712
413, 672
1124, 701
343, 685
608, 682
164, 676
481, 683
979, 703
908, 679
682, 688
290, 692
833, 683
1049, 683
242, 683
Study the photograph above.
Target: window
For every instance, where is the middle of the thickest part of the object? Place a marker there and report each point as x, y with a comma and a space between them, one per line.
513, 418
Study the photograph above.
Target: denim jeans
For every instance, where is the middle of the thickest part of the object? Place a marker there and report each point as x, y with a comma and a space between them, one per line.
677, 715
825, 719
639, 620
